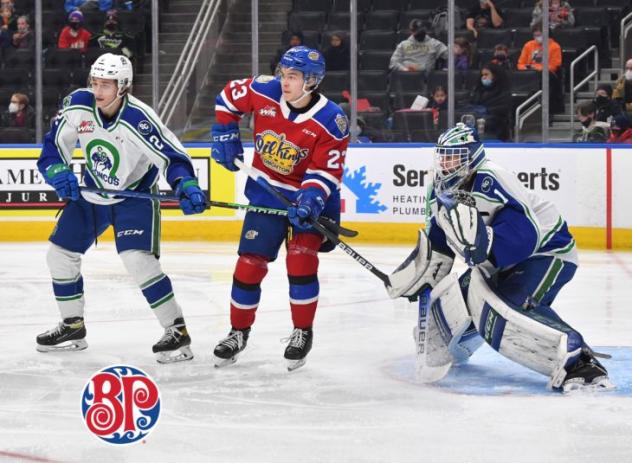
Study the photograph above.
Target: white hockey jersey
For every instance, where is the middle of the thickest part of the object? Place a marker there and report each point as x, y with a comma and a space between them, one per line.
126, 153
524, 224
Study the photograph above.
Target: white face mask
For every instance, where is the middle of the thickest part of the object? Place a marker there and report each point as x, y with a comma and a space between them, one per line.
538, 39
628, 74
13, 108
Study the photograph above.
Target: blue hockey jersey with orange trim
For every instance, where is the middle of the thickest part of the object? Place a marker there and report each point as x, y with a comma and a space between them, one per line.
292, 150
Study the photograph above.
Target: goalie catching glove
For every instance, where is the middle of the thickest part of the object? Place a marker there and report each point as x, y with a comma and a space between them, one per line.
465, 231
423, 267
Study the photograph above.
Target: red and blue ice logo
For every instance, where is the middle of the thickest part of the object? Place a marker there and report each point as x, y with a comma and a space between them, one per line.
120, 404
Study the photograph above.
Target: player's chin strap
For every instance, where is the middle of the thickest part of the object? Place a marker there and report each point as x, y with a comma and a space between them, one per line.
306, 92
119, 95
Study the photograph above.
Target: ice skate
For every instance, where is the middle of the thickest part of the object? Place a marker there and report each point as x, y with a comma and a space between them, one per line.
229, 348
68, 335
587, 374
300, 343
174, 344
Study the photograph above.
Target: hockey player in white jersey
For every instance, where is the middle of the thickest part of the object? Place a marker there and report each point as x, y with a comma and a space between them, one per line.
520, 253
126, 147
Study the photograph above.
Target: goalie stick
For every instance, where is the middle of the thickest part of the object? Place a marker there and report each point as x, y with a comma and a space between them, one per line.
325, 221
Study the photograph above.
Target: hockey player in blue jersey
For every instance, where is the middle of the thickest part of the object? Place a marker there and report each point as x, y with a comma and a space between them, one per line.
520, 253
126, 147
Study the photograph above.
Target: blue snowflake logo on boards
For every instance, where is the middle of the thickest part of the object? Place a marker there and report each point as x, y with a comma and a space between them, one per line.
120, 404
365, 191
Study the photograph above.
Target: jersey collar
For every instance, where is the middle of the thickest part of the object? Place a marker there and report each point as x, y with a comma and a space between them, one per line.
298, 118
112, 125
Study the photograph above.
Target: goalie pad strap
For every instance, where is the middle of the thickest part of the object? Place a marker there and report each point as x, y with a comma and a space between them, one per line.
532, 340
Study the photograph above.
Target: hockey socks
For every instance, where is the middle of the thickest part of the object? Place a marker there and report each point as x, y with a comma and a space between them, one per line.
246, 291
302, 269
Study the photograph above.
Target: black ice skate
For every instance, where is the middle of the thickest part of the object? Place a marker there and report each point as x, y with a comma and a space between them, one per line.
174, 344
299, 346
586, 374
69, 335
228, 349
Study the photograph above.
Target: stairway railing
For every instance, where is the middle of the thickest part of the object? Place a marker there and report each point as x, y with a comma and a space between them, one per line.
594, 74
532, 106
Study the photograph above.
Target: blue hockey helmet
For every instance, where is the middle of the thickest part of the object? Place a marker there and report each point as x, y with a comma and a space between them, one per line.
306, 60
458, 153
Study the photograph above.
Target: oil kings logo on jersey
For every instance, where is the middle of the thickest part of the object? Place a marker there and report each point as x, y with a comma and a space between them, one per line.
277, 153
103, 160
120, 404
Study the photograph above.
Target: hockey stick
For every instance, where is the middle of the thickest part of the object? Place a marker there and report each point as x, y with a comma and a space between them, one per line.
331, 236
326, 222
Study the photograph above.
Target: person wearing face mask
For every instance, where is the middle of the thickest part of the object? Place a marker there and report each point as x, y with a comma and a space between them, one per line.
620, 129
19, 113
605, 106
419, 52
491, 101
112, 38
560, 14
74, 35
531, 58
592, 130
501, 57
622, 92
23, 38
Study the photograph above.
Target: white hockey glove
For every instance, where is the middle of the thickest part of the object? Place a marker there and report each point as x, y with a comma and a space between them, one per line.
423, 267
465, 231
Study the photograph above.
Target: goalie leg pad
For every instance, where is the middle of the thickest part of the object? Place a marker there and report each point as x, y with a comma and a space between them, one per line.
526, 337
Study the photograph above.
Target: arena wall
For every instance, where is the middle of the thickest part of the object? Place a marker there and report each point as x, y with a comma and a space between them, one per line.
383, 192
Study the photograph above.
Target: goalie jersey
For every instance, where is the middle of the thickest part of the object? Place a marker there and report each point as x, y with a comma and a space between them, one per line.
292, 149
126, 153
524, 225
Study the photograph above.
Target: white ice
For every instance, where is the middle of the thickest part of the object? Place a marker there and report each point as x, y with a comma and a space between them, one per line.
356, 399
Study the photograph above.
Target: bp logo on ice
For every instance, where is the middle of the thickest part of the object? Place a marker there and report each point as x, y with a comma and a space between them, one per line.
120, 404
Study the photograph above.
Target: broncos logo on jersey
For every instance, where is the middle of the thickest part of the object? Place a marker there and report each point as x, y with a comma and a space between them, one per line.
277, 153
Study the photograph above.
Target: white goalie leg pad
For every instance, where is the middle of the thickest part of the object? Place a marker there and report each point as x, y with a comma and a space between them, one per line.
145, 268
531, 340
422, 267
65, 269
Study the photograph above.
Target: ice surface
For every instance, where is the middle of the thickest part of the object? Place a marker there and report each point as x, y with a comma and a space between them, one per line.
356, 400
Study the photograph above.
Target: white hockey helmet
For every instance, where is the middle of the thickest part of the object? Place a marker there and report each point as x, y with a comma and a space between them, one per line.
116, 67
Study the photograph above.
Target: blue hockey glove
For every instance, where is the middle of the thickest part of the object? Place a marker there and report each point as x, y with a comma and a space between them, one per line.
60, 177
310, 203
192, 199
226, 145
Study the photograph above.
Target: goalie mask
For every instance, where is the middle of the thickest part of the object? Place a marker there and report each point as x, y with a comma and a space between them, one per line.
457, 154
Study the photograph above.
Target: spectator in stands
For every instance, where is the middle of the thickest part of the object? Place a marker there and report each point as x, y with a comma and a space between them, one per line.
19, 113
592, 131
438, 102
462, 54
501, 57
73, 35
531, 58
621, 129
296, 39
560, 14
491, 101
23, 37
336, 54
605, 106
419, 52
484, 15
112, 38
88, 5
623, 88
8, 22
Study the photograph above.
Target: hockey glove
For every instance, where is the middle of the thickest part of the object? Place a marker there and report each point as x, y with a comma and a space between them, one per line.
309, 204
192, 199
226, 145
60, 177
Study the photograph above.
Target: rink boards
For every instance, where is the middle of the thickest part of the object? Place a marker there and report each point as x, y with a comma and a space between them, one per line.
383, 192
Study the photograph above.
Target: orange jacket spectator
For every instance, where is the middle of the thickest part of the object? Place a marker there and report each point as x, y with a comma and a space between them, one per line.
532, 55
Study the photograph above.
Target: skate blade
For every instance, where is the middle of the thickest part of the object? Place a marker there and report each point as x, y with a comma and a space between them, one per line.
68, 346
295, 364
598, 385
220, 362
173, 356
